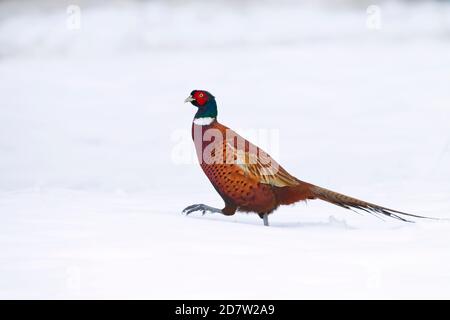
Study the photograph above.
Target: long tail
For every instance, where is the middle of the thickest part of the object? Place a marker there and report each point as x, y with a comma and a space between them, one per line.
352, 203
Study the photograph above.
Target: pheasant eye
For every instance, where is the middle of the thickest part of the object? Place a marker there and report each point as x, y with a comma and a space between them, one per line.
200, 95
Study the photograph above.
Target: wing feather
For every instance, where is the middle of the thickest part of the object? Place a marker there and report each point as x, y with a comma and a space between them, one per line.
256, 162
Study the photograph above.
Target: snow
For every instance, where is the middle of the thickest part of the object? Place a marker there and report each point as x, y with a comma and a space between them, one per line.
96, 159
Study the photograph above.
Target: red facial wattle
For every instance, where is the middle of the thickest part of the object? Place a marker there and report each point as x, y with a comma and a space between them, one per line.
201, 98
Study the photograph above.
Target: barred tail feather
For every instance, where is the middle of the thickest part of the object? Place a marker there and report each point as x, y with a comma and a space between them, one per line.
352, 203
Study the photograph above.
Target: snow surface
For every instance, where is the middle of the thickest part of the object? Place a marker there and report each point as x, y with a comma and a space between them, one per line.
96, 161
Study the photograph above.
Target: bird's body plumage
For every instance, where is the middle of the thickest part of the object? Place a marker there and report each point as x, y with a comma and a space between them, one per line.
241, 184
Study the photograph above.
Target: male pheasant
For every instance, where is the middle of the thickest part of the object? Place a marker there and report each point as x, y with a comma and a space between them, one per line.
247, 178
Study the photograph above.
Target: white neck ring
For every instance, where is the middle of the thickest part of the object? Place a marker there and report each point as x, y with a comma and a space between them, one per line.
203, 121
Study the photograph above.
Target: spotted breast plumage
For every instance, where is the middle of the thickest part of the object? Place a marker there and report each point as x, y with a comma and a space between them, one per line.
247, 178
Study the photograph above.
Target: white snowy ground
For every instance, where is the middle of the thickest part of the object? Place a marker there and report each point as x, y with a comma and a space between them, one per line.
94, 136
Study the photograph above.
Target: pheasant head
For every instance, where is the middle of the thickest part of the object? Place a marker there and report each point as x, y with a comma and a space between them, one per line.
205, 102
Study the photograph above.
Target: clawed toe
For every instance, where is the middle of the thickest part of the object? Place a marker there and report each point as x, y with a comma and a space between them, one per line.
199, 207
190, 208
195, 207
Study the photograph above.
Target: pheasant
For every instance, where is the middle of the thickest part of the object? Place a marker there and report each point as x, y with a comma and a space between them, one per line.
247, 178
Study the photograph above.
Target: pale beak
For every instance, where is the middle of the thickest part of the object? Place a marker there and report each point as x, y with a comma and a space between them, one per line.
189, 99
